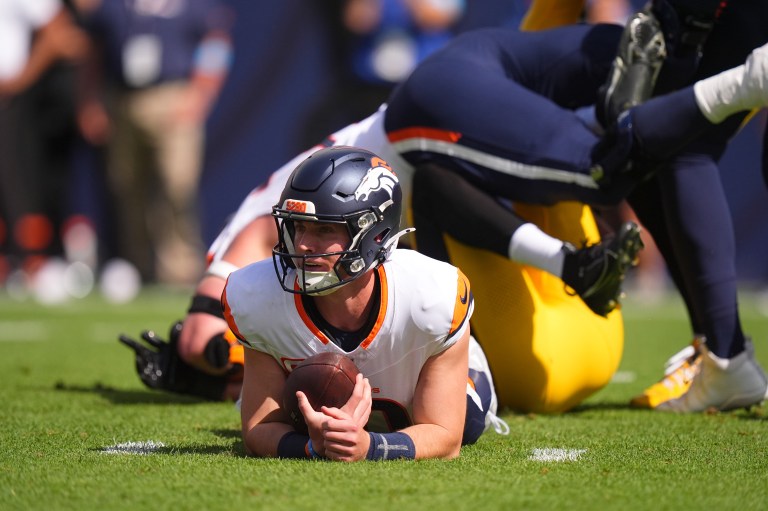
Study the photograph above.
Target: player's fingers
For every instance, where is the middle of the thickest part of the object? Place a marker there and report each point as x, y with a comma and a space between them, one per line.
152, 338
312, 418
362, 411
140, 349
358, 394
357, 391
344, 445
336, 452
340, 436
336, 413
304, 406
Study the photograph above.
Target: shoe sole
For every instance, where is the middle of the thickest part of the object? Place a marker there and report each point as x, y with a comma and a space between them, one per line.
637, 65
630, 245
626, 253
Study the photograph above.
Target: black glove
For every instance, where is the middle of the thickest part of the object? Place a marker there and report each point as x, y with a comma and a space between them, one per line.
162, 368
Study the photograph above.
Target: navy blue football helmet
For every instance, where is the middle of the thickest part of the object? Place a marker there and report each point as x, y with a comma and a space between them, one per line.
341, 185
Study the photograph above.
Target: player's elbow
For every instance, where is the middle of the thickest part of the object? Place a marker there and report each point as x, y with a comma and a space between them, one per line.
446, 446
454, 449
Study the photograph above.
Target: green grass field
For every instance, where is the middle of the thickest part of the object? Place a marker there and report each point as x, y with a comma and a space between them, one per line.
69, 393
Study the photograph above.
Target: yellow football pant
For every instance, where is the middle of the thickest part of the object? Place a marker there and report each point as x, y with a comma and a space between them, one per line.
547, 350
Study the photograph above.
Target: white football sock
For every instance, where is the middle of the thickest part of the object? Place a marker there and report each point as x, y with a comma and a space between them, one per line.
532, 246
720, 96
735, 90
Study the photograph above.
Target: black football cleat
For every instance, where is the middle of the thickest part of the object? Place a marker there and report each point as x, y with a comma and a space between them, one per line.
633, 75
596, 272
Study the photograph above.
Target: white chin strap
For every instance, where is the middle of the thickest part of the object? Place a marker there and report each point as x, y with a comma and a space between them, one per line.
311, 280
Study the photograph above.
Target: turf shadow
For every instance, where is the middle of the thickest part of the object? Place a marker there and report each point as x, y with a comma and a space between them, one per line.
227, 433
128, 397
755, 413
233, 449
590, 407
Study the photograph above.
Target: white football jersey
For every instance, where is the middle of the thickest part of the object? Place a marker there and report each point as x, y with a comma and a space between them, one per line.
425, 308
367, 134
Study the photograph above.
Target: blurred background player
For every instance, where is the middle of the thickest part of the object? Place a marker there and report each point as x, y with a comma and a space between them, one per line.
155, 69
342, 286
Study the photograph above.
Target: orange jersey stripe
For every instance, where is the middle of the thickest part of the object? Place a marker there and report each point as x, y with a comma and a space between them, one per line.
382, 308
376, 327
424, 132
305, 318
463, 299
228, 315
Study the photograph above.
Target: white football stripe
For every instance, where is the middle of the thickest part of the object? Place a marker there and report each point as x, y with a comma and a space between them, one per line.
140, 448
555, 454
623, 377
503, 165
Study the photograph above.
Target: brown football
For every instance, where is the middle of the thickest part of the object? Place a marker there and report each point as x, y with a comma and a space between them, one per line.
327, 379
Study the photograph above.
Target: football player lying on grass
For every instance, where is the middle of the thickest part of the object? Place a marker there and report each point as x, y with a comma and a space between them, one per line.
343, 286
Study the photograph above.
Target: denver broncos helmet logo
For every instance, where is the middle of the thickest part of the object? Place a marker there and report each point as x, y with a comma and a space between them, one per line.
378, 178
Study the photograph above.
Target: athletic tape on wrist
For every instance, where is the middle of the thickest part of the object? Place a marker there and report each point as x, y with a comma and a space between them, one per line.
391, 446
221, 269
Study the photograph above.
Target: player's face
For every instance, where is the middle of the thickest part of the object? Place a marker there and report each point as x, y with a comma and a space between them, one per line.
320, 238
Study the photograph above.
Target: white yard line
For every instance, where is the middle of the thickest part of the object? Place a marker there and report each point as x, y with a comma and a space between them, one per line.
555, 454
623, 377
139, 448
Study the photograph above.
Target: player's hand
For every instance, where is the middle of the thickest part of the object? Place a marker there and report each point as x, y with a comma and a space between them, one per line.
160, 367
314, 420
359, 404
154, 360
343, 438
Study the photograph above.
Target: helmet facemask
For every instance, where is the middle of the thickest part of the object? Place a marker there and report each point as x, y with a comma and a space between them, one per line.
349, 265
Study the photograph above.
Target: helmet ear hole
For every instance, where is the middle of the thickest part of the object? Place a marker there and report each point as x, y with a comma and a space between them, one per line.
382, 235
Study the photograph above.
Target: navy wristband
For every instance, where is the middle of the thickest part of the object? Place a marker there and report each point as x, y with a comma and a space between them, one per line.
293, 445
391, 446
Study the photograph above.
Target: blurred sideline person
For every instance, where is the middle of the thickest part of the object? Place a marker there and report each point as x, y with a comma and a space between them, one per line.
342, 286
154, 70
680, 114
36, 38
